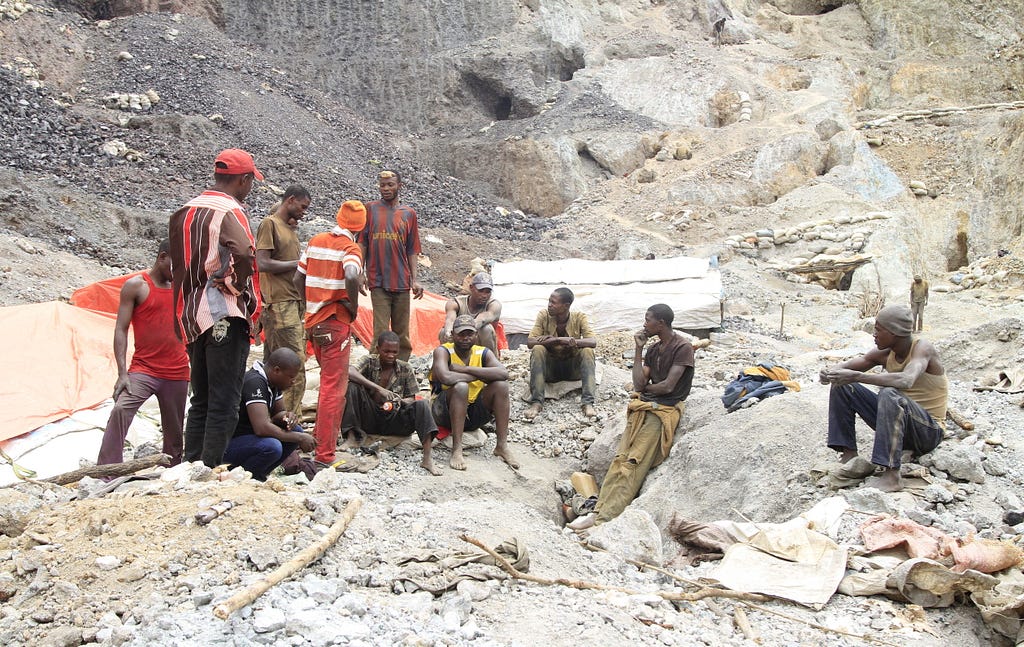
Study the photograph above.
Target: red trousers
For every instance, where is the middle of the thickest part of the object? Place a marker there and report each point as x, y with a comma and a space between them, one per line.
331, 345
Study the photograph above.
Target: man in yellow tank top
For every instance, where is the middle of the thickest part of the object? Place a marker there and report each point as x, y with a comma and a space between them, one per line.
908, 411
470, 386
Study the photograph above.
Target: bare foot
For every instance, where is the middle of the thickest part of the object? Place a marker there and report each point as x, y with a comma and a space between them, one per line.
589, 411
847, 455
888, 480
506, 455
533, 411
457, 462
428, 464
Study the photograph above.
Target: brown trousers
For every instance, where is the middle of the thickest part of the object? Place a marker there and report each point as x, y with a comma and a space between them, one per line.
391, 312
645, 443
282, 328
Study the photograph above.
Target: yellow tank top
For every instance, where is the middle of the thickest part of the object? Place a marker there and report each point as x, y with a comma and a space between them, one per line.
929, 391
476, 358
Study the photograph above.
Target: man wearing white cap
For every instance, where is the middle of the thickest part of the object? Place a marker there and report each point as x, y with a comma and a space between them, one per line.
480, 305
908, 411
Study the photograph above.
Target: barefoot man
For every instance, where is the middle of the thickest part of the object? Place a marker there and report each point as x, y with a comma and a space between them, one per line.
907, 411
470, 386
382, 400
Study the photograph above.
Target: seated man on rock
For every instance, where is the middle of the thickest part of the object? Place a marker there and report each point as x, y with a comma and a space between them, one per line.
470, 386
479, 304
661, 381
907, 412
382, 399
266, 432
562, 349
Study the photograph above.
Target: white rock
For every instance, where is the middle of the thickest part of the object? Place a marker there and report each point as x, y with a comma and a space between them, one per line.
267, 620
108, 562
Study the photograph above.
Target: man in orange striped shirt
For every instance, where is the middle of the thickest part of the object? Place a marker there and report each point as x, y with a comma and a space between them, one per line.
328, 274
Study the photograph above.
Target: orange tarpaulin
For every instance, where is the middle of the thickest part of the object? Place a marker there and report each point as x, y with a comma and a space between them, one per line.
425, 320
62, 360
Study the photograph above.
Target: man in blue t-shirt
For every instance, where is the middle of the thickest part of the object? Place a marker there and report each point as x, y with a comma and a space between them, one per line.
266, 432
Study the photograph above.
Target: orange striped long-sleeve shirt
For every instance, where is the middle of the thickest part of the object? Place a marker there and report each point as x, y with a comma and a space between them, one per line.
324, 263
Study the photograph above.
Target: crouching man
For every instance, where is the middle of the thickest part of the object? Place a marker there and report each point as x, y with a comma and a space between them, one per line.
470, 386
266, 432
907, 412
661, 381
382, 400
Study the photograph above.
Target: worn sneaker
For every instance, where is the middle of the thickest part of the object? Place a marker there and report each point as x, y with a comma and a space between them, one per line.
582, 523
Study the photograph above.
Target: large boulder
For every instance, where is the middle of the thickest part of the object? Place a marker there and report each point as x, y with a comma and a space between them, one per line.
787, 163
740, 461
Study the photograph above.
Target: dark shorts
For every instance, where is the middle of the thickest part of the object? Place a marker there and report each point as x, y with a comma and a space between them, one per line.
477, 415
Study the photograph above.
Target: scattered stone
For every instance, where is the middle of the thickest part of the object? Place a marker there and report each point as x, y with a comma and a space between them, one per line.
108, 562
267, 620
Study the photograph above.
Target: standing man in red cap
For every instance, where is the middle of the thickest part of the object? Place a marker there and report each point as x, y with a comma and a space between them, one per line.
328, 275
391, 242
212, 251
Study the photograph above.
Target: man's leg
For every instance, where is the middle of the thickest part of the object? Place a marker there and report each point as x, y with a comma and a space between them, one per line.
225, 366
171, 395
360, 410
257, 454
401, 310
426, 429
629, 468
902, 424
282, 328
844, 404
495, 398
380, 300
486, 337
458, 402
584, 368
195, 424
333, 358
112, 446
539, 369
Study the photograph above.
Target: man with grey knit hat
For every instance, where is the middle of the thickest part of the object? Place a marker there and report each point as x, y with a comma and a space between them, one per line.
908, 411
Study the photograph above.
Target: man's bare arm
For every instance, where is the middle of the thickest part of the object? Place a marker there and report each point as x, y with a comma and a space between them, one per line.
131, 292
264, 263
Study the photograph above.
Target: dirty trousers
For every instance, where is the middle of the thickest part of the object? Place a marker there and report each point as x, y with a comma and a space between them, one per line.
917, 309
218, 366
332, 347
637, 454
258, 454
899, 422
282, 328
545, 367
392, 309
171, 394
364, 416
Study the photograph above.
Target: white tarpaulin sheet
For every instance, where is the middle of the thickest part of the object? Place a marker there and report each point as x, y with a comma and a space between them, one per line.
614, 294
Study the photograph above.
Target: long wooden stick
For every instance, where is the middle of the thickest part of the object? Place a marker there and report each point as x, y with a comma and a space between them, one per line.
814, 625
960, 421
308, 555
114, 469
703, 592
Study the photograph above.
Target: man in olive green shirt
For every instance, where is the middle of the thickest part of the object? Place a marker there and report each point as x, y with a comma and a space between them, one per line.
277, 255
562, 349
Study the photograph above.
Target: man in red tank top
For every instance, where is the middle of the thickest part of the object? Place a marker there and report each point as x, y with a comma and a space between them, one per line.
159, 366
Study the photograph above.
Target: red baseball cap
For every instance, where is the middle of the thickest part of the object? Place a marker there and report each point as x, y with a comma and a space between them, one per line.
235, 161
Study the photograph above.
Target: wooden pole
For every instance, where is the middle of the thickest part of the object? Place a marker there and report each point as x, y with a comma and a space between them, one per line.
704, 592
782, 319
114, 469
305, 557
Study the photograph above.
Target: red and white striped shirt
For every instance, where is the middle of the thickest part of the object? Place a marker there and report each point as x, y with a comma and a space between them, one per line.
324, 263
212, 263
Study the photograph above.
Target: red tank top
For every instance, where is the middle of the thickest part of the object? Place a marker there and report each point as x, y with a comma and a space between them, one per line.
157, 351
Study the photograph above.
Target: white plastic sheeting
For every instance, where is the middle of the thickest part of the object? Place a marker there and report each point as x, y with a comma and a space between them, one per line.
614, 294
